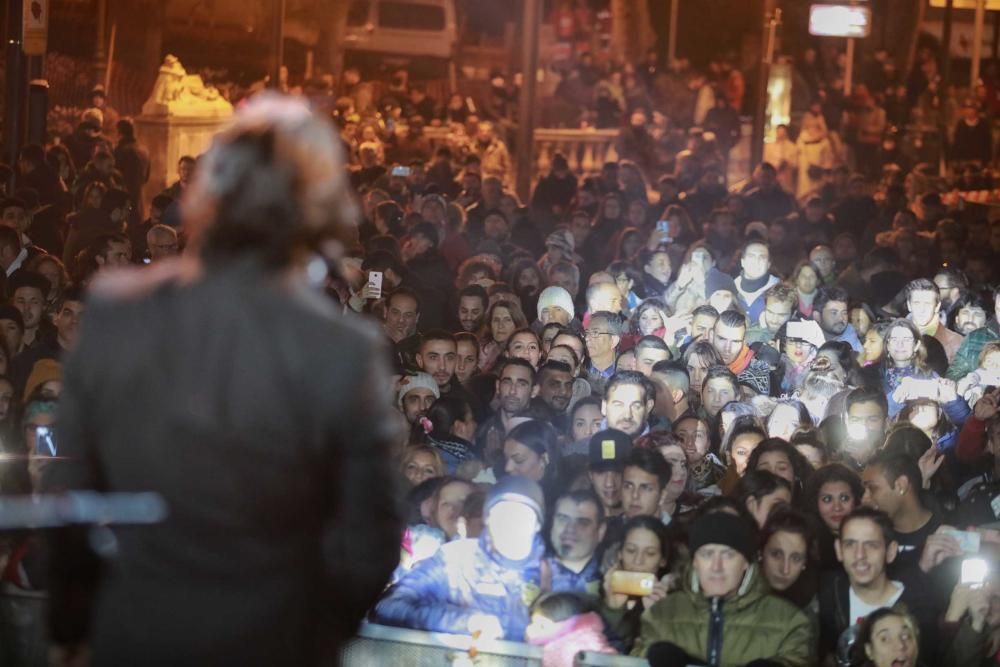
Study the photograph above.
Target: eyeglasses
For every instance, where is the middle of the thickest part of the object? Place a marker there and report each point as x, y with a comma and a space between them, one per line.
900, 340
595, 334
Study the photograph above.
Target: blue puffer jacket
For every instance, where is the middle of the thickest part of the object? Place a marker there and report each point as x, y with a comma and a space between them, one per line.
587, 581
465, 577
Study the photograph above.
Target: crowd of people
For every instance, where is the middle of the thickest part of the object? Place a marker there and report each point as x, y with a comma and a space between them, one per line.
642, 412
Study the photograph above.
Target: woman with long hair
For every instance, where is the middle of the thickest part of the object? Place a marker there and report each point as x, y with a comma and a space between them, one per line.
597, 250
532, 450
761, 492
704, 467
738, 443
831, 493
420, 463
787, 558
502, 320
788, 416
781, 458
698, 358
645, 549
905, 374
806, 278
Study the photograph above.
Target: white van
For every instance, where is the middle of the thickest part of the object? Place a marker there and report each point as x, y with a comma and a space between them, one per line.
418, 34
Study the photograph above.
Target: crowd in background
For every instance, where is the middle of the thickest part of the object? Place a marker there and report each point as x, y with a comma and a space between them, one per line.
646, 411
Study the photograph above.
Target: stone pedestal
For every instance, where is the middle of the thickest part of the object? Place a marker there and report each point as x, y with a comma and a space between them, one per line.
180, 118
168, 138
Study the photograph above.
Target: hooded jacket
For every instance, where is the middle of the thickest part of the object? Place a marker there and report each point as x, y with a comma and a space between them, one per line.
584, 632
465, 577
729, 633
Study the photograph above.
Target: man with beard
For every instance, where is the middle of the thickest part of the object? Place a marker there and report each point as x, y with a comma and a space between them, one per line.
830, 310
472, 303
967, 358
628, 402
555, 389
515, 387
729, 339
437, 357
402, 312
779, 304
952, 285
578, 527
968, 313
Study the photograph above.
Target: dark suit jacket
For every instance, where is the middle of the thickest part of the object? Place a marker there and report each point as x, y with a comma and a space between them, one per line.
261, 417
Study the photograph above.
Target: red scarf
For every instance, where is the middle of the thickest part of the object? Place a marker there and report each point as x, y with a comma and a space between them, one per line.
742, 360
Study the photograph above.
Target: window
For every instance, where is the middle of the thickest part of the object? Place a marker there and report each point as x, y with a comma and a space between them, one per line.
411, 16
357, 15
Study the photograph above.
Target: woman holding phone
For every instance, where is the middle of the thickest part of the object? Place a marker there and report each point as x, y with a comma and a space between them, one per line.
906, 376
637, 580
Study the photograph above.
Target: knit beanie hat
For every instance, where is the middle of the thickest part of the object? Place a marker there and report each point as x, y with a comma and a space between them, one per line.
415, 381
561, 239
722, 528
716, 280
13, 314
556, 296
517, 489
43, 371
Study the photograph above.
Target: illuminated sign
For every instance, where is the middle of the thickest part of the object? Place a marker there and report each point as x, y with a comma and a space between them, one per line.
839, 21
966, 4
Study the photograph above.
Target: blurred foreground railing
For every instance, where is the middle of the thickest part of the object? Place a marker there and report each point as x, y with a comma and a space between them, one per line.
382, 645
23, 643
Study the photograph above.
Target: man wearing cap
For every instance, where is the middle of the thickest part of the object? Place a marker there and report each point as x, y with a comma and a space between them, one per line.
608, 450
430, 274
416, 394
481, 586
724, 613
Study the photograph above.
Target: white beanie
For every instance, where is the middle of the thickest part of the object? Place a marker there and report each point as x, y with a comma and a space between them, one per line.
408, 383
556, 296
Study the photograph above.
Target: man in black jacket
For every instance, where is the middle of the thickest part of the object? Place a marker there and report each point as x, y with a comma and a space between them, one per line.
227, 385
866, 547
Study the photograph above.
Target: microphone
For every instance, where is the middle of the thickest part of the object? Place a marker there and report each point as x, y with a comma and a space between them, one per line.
666, 654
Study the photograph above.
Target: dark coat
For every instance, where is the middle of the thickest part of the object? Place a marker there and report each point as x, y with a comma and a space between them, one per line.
132, 160
433, 281
259, 415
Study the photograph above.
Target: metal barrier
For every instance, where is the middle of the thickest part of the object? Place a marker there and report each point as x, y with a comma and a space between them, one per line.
588, 659
382, 645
